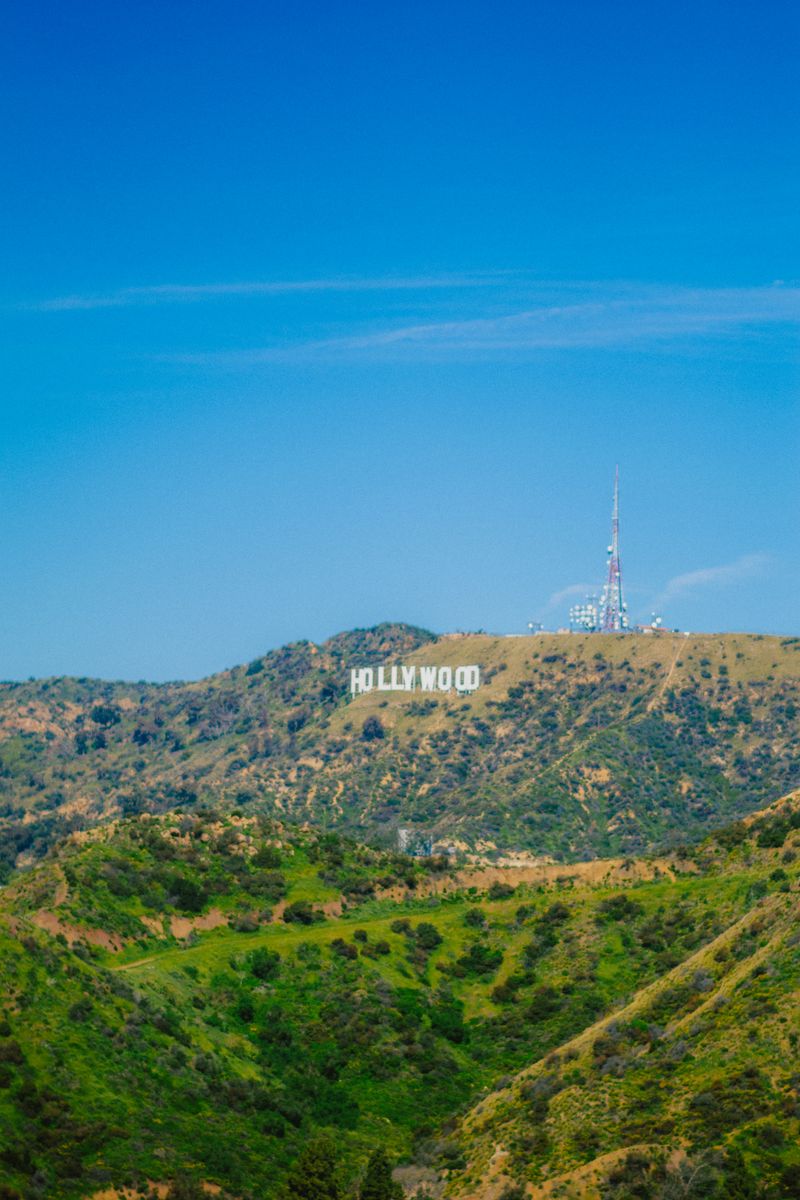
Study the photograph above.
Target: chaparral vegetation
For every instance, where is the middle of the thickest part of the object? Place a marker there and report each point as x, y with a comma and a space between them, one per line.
217, 972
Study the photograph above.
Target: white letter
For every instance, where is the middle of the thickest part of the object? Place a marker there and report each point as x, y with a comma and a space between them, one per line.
353, 681
468, 679
383, 686
408, 678
427, 677
366, 677
445, 679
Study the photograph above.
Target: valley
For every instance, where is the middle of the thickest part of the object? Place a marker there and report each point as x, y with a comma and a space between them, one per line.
219, 975
218, 981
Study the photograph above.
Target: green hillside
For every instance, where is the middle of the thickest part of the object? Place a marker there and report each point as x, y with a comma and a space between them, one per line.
196, 995
575, 746
690, 1088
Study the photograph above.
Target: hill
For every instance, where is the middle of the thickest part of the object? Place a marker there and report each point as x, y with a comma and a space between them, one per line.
690, 1088
573, 747
193, 997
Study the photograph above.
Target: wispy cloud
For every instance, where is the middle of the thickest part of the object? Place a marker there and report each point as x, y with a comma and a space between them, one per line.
746, 567
567, 593
175, 293
587, 315
494, 314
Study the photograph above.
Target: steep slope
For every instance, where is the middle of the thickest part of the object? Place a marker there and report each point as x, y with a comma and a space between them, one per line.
199, 995
690, 1088
573, 746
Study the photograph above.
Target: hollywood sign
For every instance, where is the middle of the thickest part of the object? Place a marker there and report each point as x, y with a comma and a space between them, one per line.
409, 679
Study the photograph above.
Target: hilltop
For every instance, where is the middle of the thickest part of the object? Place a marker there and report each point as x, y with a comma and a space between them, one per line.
189, 997
574, 747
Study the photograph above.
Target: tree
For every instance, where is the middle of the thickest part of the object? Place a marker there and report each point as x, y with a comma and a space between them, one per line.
301, 912
372, 729
314, 1175
428, 936
264, 963
105, 715
377, 1183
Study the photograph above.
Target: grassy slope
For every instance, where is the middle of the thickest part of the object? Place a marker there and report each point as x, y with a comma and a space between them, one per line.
177, 1053
703, 1058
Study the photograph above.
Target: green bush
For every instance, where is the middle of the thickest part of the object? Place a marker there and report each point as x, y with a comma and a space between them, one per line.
427, 936
264, 964
302, 912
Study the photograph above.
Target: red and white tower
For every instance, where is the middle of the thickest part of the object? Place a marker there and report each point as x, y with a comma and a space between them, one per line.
613, 610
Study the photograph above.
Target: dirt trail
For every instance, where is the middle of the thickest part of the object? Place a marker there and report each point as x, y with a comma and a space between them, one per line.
62, 891
581, 1183
654, 699
599, 871
478, 1116
161, 1189
140, 962
658, 695
611, 871
730, 982
578, 1184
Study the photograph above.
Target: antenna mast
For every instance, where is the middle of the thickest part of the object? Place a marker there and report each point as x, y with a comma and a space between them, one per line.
613, 611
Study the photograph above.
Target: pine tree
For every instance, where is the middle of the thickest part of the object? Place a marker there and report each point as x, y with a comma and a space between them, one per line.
378, 1183
314, 1175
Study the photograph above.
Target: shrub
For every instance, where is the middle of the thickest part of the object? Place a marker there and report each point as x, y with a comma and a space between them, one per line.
183, 1187
268, 857
545, 1001
730, 1101
301, 912
620, 907
271, 885
245, 922
314, 1175
556, 914
513, 1191
105, 715
297, 720
81, 1010
378, 1183
264, 963
475, 917
245, 1010
186, 893
427, 935
372, 729
343, 949
447, 1018
480, 959
501, 891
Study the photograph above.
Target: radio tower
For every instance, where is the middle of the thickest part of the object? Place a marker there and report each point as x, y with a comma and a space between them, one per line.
613, 614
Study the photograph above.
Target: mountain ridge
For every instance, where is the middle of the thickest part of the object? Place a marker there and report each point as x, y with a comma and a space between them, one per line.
573, 747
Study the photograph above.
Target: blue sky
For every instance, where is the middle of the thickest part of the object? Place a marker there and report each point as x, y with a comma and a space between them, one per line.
318, 315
